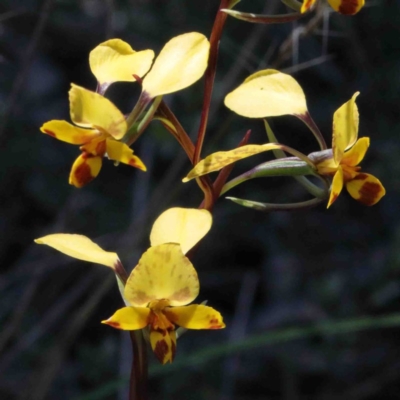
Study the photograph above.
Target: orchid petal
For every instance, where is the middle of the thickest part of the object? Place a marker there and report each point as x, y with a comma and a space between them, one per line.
181, 63
91, 110
186, 226
66, 132
347, 7
121, 152
345, 128
163, 344
267, 93
195, 316
337, 186
220, 159
80, 247
129, 318
163, 272
366, 189
307, 5
85, 168
356, 154
116, 61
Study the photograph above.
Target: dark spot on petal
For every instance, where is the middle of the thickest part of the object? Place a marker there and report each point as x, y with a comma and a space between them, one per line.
114, 324
349, 7
83, 173
370, 193
161, 350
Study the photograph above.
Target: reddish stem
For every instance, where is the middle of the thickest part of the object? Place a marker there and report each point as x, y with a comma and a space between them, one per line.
139, 371
215, 38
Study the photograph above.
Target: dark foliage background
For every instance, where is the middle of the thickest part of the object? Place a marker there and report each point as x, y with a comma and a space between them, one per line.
274, 275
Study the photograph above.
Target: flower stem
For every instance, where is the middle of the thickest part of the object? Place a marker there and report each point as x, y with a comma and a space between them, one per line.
172, 124
307, 119
215, 37
139, 371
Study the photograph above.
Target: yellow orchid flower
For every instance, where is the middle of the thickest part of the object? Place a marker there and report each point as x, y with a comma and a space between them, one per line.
163, 283
347, 153
159, 290
99, 127
346, 7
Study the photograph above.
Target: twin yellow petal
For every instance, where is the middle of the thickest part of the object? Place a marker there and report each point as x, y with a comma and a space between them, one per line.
116, 61
80, 247
346, 7
267, 93
186, 226
180, 63
99, 126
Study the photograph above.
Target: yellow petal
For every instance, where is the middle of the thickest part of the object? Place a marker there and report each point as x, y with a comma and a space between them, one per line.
345, 128
195, 316
337, 186
307, 4
355, 155
89, 109
347, 7
80, 247
163, 344
85, 168
64, 131
129, 318
121, 152
116, 61
186, 226
219, 160
366, 189
267, 93
163, 272
181, 63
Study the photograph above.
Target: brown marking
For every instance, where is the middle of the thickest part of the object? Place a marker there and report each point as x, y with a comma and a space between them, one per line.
83, 173
307, 4
139, 297
182, 294
113, 324
369, 191
50, 133
161, 350
100, 148
334, 197
349, 7
215, 323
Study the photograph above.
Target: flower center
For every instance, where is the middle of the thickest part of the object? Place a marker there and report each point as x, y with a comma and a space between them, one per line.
158, 320
349, 172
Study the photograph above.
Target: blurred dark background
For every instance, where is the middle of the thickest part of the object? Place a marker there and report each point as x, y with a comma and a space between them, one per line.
276, 277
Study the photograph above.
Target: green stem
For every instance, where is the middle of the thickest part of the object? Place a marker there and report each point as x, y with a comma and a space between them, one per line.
272, 168
142, 125
140, 106
215, 38
309, 186
268, 207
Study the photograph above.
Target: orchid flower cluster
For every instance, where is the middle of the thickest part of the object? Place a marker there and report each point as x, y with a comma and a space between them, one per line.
158, 291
